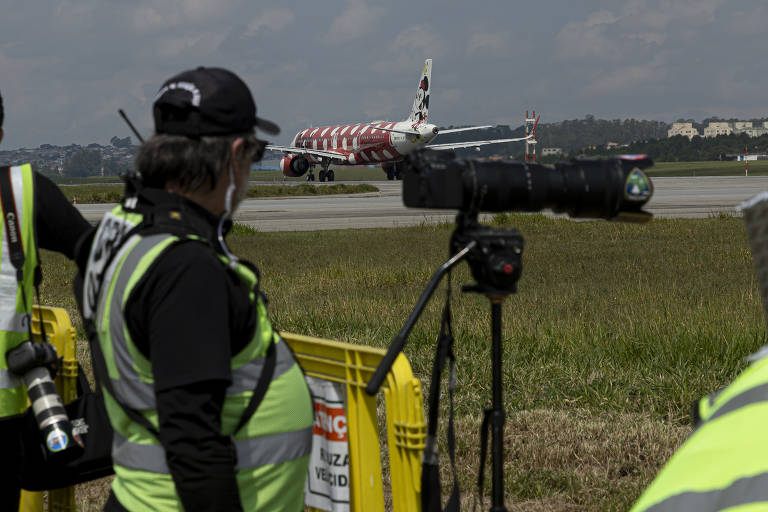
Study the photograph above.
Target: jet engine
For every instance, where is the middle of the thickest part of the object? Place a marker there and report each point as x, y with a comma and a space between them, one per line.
294, 166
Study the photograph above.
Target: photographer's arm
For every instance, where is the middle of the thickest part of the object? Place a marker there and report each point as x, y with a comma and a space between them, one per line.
58, 224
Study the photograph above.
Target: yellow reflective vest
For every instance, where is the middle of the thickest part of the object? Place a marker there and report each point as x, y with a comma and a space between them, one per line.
274, 444
13, 315
723, 465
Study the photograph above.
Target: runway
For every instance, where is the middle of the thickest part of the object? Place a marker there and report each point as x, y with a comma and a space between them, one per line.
690, 197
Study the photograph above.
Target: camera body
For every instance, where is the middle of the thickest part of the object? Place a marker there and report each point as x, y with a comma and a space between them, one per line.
612, 188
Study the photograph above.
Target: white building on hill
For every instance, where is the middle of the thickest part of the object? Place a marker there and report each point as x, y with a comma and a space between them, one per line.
718, 128
685, 129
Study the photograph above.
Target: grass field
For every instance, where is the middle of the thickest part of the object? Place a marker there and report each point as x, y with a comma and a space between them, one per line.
101, 193
756, 168
616, 330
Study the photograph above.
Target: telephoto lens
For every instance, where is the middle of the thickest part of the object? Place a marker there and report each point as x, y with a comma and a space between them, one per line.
610, 188
30, 361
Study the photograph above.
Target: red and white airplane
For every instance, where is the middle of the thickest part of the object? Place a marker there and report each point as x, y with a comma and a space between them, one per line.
376, 142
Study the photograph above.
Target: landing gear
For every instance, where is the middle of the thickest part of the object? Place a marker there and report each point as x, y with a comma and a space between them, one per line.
393, 170
326, 173
310, 176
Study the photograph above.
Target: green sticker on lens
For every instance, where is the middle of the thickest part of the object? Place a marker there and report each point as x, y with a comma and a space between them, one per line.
638, 186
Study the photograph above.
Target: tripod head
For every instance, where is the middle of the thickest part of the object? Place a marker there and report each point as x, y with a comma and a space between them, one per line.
495, 259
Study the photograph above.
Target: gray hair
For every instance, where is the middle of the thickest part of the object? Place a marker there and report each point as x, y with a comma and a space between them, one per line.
189, 163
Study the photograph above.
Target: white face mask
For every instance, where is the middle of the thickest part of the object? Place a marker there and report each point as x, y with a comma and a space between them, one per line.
227, 213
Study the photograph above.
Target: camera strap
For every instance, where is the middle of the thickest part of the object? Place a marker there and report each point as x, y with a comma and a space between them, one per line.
13, 235
430, 471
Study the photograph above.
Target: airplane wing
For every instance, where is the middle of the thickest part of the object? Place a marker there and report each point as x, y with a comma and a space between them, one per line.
324, 153
455, 130
474, 143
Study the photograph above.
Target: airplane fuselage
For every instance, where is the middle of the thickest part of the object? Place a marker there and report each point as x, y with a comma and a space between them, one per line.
364, 143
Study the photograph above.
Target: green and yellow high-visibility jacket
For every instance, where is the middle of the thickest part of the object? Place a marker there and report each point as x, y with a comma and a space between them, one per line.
723, 465
272, 447
13, 316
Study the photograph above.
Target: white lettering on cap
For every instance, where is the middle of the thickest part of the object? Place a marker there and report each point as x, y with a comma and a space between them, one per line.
187, 86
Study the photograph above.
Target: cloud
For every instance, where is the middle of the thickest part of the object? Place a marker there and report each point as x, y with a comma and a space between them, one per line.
197, 45
354, 21
273, 20
488, 41
418, 39
160, 15
637, 29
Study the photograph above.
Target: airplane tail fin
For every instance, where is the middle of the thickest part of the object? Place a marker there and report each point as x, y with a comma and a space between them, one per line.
420, 109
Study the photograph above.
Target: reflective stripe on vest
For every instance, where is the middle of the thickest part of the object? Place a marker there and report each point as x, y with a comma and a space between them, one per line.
8, 379
748, 397
13, 318
741, 492
251, 453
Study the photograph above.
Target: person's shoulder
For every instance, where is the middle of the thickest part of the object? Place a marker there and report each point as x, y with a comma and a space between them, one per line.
189, 255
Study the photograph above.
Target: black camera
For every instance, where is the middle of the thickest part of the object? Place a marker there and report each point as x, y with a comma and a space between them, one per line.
31, 361
612, 188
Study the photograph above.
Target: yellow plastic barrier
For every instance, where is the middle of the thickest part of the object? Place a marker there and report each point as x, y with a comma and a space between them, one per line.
406, 429
61, 334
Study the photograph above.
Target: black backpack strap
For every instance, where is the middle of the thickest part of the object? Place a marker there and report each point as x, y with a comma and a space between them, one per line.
270, 361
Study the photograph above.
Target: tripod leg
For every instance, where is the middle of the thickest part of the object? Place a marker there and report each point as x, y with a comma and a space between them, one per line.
497, 416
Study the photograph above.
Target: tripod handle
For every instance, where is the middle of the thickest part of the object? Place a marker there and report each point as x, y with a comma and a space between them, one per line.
398, 344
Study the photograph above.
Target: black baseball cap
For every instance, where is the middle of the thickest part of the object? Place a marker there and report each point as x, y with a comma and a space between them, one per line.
207, 101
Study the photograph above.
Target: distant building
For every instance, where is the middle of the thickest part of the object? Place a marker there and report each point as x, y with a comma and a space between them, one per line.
685, 129
612, 145
551, 151
718, 128
756, 132
741, 126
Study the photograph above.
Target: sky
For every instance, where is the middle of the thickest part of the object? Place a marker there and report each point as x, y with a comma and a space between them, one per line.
66, 66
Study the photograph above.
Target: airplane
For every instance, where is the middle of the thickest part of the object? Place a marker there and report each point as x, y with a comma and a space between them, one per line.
375, 142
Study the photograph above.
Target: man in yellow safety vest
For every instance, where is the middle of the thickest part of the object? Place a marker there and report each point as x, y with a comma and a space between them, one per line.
42, 216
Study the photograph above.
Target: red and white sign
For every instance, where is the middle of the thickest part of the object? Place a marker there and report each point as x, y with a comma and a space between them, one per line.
327, 486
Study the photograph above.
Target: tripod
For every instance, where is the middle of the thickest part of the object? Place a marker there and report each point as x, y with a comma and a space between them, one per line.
494, 257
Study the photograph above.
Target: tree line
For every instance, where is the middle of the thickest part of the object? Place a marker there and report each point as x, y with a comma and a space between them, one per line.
590, 137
